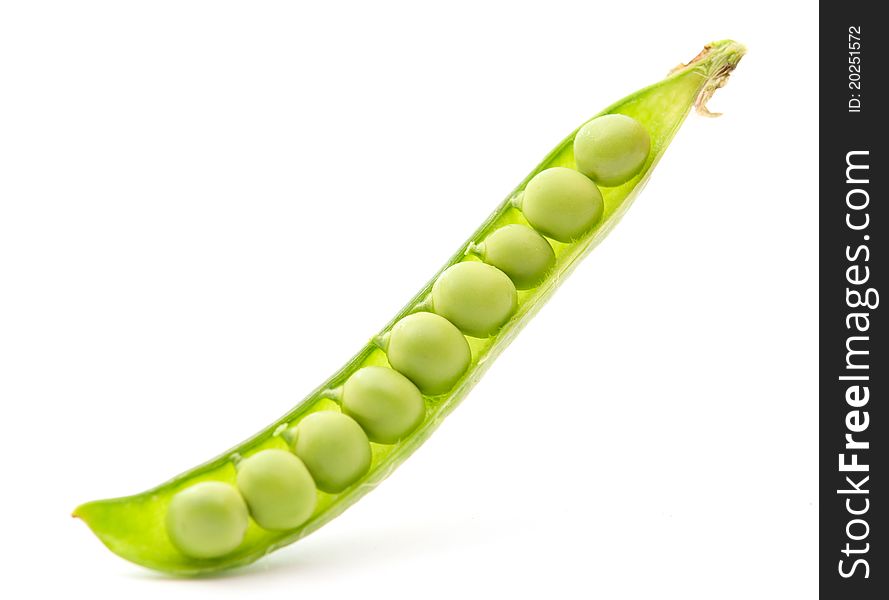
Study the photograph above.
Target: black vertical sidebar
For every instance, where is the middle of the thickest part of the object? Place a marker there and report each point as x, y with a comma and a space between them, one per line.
853, 365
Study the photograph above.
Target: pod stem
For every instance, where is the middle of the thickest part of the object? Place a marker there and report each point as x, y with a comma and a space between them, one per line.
716, 62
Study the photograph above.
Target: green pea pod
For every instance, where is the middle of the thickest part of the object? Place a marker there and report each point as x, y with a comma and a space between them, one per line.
136, 527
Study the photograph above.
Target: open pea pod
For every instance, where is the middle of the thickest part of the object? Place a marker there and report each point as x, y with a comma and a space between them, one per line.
353, 430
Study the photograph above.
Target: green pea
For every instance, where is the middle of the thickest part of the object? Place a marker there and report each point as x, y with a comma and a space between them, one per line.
384, 402
207, 520
611, 149
474, 296
520, 252
278, 488
562, 204
427, 349
334, 448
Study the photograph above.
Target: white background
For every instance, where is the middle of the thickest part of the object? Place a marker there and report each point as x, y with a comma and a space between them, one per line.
207, 207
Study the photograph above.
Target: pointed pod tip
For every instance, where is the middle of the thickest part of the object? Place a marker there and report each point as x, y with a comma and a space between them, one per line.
86, 511
77, 513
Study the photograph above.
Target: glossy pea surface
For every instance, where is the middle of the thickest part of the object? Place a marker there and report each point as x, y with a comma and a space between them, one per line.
334, 448
207, 519
386, 404
611, 149
562, 204
520, 252
429, 350
278, 489
474, 296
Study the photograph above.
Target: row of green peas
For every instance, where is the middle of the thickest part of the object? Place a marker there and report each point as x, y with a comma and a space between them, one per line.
427, 352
